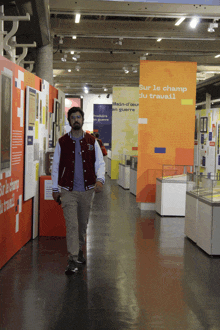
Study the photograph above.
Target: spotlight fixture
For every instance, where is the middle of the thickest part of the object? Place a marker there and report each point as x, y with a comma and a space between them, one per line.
61, 40
125, 69
217, 56
77, 18
74, 58
105, 89
86, 90
69, 70
134, 69
212, 26
73, 37
159, 39
77, 68
194, 22
63, 59
72, 52
180, 20
120, 41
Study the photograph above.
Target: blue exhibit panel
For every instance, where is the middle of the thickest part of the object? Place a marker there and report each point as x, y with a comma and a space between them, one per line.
159, 150
103, 123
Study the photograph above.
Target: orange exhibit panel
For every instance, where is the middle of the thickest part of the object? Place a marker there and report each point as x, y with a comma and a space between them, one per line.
167, 93
52, 222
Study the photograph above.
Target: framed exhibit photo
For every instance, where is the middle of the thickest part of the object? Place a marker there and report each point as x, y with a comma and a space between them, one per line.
6, 121
203, 124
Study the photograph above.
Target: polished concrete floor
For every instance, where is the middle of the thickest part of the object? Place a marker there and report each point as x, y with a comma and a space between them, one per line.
141, 273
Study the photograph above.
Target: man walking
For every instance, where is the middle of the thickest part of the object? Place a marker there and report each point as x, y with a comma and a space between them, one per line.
79, 170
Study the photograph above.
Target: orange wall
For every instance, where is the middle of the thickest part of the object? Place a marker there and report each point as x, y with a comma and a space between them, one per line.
170, 116
10, 240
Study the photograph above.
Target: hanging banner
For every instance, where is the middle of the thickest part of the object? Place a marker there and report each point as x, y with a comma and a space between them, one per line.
124, 125
103, 123
166, 129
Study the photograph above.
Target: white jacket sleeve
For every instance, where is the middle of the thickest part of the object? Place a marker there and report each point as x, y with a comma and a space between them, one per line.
99, 164
55, 168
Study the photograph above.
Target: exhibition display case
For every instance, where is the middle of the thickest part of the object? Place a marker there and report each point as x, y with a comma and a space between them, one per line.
171, 190
202, 223
124, 171
133, 174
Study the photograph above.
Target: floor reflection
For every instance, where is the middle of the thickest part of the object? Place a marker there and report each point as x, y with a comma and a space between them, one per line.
141, 273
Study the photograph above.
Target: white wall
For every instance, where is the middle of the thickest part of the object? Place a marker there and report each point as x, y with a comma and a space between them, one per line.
88, 102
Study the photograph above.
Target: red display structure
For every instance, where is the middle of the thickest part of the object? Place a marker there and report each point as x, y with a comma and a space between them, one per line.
52, 222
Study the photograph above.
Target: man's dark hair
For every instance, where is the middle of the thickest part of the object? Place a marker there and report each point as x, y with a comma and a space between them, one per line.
97, 135
74, 110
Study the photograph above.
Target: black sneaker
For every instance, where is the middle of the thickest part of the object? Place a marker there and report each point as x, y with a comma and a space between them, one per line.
81, 259
71, 267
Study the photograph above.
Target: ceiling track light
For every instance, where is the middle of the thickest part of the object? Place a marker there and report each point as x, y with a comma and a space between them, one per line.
74, 37
63, 59
77, 18
159, 39
212, 26
134, 69
61, 40
217, 56
194, 22
180, 20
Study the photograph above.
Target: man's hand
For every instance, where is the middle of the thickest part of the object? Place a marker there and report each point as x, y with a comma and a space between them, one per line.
98, 186
56, 197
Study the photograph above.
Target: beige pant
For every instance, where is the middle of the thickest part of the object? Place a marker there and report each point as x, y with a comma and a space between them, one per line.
76, 208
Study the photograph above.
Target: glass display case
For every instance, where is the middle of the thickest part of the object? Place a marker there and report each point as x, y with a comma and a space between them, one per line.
204, 187
124, 159
134, 161
176, 172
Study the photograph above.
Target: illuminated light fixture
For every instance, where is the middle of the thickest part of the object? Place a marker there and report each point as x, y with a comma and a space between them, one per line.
180, 20
212, 27
134, 69
120, 41
73, 37
194, 22
77, 68
63, 59
105, 89
77, 18
86, 90
74, 58
81, 96
72, 52
217, 56
159, 39
146, 54
125, 69
61, 40
69, 70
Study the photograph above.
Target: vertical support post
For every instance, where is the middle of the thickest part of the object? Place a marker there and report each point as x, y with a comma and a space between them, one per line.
1, 31
13, 51
208, 101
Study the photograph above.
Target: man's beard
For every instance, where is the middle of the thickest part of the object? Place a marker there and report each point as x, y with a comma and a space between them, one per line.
76, 126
